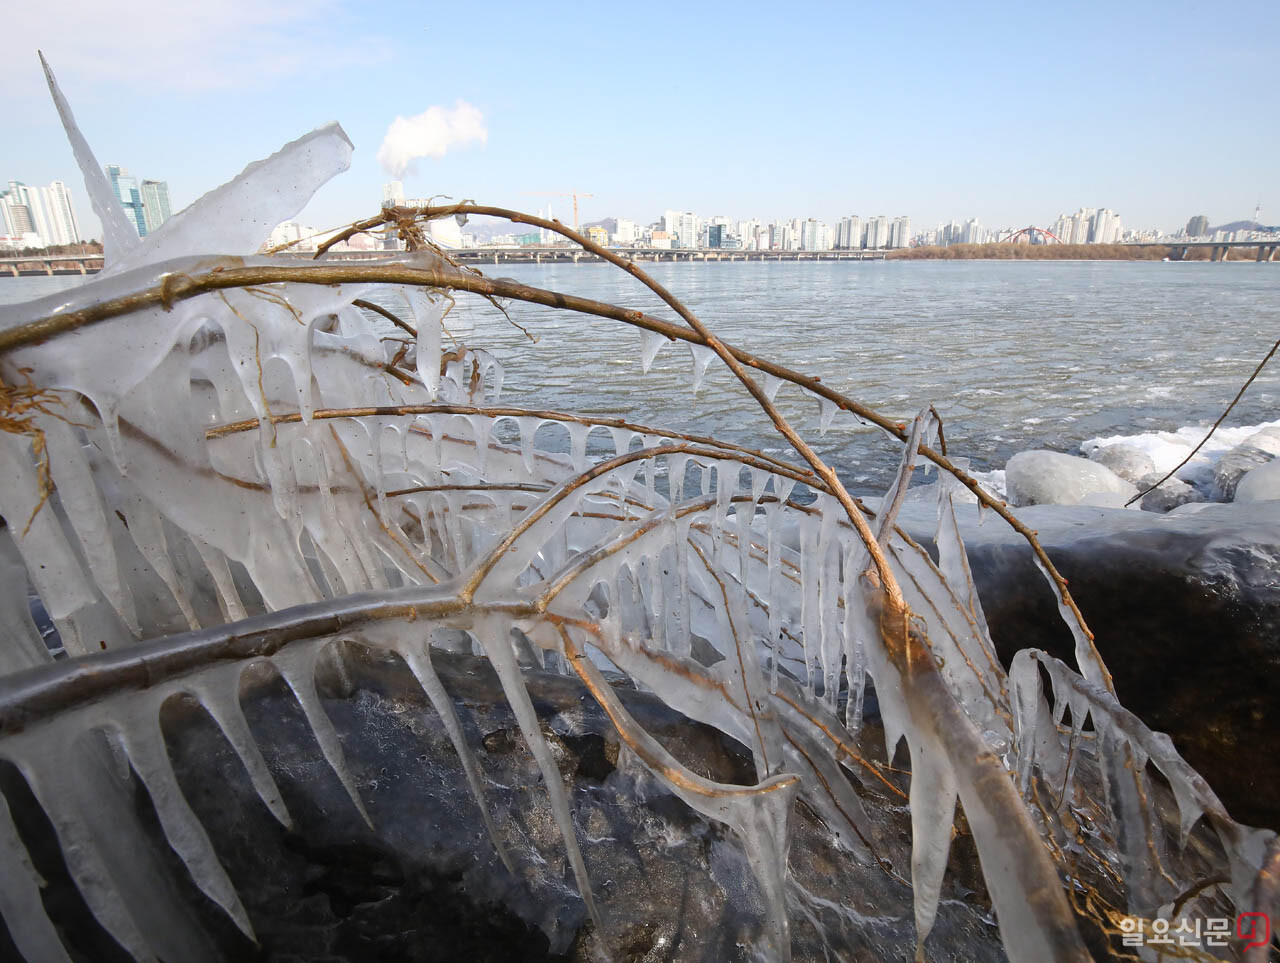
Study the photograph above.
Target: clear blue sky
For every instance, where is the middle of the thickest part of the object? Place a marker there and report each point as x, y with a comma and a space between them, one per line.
1009, 112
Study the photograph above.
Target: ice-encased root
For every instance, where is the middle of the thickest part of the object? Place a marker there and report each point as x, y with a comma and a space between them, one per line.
262, 449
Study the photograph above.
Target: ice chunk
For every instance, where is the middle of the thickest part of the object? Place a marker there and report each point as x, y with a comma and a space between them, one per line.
1052, 478
702, 357
650, 343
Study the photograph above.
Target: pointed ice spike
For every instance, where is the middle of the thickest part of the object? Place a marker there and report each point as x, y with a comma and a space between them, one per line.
494, 635
118, 235
145, 745
220, 696
826, 413
20, 904
426, 316
578, 445
299, 671
933, 804
650, 342
124, 880
528, 428
702, 357
425, 673
770, 384
238, 216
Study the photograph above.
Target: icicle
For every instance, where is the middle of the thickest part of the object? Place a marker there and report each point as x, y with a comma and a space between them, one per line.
702, 357
622, 440
81, 501
216, 563
123, 880
21, 646
29, 926
770, 384
420, 664
578, 445
140, 733
826, 413
426, 317
809, 616
218, 691
856, 625
528, 429
933, 803
298, 668
481, 425
494, 634
147, 531
650, 342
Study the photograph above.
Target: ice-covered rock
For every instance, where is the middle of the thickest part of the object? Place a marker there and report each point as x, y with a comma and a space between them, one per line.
1186, 612
1128, 461
1236, 463
1052, 478
1107, 500
1267, 439
1260, 484
1169, 495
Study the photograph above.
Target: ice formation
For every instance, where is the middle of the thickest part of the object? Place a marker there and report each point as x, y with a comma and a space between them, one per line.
252, 473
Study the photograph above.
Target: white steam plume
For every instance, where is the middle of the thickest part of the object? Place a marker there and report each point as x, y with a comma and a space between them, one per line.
430, 134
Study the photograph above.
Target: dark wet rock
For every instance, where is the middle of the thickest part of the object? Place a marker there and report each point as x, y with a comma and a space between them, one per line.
1171, 493
1186, 613
1258, 449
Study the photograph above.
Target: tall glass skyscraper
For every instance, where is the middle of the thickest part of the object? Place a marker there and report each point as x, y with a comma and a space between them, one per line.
155, 203
126, 191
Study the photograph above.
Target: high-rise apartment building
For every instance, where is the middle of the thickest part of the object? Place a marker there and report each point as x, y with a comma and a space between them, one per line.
37, 216
126, 190
1105, 228
877, 232
1198, 226
155, 203
849, 233
63, 226
900, 232
683, 226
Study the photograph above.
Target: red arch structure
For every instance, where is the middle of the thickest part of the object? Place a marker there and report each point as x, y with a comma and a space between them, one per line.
1031, 233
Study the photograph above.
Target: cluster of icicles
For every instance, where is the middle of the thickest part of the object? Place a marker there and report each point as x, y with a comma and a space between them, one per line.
214, 500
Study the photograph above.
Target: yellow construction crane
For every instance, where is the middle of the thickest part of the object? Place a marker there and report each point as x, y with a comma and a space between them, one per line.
574, 194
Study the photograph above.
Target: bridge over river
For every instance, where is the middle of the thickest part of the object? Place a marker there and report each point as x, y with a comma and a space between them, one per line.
1219, 250
552, 255
48, 264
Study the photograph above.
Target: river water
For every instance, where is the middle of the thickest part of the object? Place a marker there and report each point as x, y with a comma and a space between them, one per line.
1014, 355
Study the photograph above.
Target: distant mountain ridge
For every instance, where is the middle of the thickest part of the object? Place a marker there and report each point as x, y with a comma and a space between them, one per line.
1244, 226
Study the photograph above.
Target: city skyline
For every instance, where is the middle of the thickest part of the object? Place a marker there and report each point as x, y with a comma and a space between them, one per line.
1002, 112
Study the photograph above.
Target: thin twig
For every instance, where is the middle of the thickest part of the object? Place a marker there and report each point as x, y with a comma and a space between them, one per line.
1223, 417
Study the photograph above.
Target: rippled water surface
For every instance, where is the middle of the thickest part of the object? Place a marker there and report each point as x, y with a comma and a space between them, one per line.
1015, 355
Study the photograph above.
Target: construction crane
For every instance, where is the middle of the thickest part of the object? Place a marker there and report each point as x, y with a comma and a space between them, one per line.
574, 194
